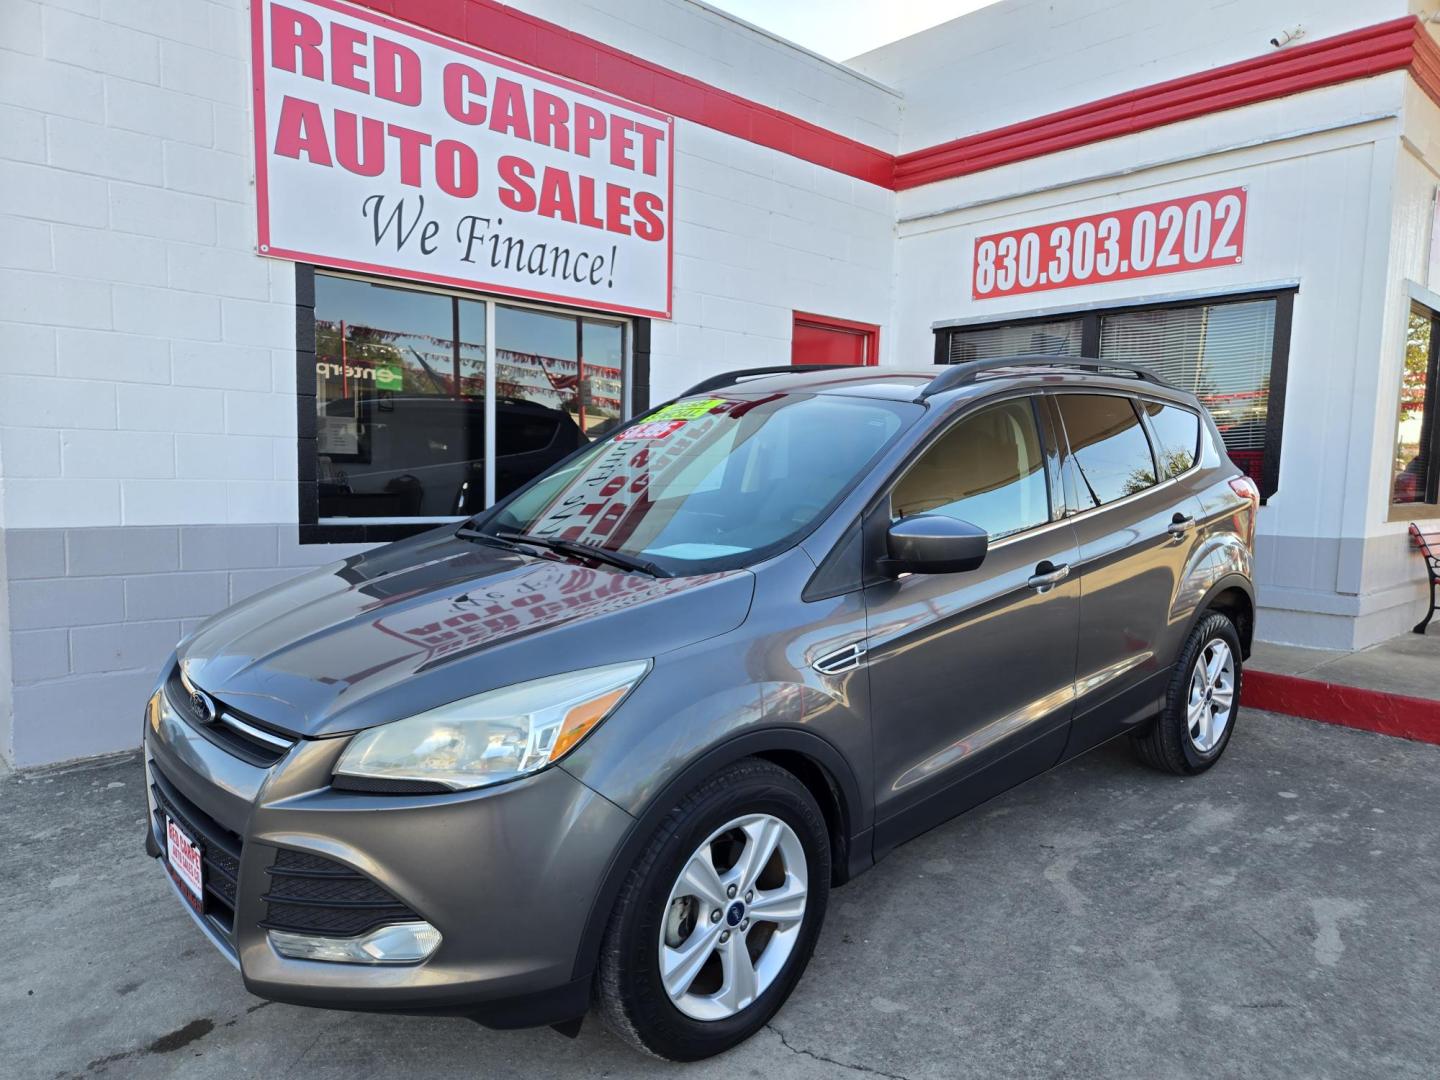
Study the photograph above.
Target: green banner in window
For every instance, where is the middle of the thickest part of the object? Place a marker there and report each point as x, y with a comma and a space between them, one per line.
389, 377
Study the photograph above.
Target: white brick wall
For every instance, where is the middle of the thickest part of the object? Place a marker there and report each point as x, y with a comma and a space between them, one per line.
139, 314
129, 312
760, 235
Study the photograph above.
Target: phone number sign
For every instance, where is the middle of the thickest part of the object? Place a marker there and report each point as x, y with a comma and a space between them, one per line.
1169, 237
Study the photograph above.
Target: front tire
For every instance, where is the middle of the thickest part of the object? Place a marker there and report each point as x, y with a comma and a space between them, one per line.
1201, 702
717, 920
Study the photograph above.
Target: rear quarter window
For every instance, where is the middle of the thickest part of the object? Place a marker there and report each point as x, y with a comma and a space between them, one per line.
1177, 433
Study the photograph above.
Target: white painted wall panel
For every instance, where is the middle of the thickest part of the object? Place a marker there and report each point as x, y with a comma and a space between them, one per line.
1020, 59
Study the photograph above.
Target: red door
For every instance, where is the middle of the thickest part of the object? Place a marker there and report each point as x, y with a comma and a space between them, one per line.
819, 339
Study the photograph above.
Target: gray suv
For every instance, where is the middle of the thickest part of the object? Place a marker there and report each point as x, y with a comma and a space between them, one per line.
611, 743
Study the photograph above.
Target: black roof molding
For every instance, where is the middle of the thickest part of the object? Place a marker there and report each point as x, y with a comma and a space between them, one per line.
730, 378
966, 371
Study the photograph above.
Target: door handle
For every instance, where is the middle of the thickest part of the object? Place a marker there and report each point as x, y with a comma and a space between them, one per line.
1047, 575
1180, 525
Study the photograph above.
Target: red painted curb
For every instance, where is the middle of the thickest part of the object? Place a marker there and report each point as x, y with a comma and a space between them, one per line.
1348, 706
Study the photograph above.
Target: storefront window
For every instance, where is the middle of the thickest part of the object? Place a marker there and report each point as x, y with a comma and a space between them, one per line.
1230, 353
1219, 352
1059, 338
1414, 478
402, 407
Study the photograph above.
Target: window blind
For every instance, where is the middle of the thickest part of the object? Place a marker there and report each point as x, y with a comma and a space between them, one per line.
1059, 338
1219, 352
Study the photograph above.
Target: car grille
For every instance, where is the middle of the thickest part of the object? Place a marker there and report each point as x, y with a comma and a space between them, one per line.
231, 730
310, 894
220, 849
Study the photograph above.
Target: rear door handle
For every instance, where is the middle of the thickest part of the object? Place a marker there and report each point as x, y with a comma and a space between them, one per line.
1180, 525
1047, 575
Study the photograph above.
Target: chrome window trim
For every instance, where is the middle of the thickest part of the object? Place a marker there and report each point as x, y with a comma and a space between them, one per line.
1071, 515
1200, 435
973, 405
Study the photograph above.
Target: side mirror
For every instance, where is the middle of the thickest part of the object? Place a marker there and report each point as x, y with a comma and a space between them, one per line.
934, 544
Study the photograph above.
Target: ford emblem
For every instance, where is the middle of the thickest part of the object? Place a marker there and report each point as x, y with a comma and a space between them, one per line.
202, 706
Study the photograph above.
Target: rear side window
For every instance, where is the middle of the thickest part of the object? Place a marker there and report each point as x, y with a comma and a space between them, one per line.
1177, 432
988, 470
1108, 445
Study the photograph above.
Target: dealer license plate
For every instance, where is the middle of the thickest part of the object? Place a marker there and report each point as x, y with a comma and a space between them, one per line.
184, 857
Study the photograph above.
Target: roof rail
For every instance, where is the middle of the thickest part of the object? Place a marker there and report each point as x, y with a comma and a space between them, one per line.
965, 372
730, 378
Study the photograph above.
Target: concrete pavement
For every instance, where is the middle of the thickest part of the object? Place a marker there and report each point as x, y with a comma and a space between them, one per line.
1406, 664
1278, 917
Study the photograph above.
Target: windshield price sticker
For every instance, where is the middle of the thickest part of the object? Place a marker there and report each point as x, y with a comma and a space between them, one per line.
1190, 233
686, 410
650, 430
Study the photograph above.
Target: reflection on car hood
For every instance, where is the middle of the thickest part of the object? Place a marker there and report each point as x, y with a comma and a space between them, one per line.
430, 620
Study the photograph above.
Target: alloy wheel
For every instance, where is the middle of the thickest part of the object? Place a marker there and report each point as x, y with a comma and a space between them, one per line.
1211, 703
733, 917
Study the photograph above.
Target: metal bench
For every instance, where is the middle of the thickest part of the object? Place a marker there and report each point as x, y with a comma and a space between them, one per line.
1428, 543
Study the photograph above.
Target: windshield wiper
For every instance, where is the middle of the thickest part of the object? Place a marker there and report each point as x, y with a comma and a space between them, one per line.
469, 532
585, 551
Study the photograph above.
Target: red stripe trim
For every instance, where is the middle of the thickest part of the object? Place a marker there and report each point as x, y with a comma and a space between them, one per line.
1347, 706
1373, 50
496, 28
1425, 67
1400, 44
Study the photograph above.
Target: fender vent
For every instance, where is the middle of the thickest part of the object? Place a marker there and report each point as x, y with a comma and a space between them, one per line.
846, 658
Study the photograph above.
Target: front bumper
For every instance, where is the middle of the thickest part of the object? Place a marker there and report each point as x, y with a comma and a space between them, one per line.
507, 874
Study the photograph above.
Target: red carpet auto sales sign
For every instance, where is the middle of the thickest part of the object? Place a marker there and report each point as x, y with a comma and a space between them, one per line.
382, 147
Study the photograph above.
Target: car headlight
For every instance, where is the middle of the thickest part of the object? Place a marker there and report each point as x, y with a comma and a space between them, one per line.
494, 736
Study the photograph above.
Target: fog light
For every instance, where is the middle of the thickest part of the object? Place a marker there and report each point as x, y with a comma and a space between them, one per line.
402, 943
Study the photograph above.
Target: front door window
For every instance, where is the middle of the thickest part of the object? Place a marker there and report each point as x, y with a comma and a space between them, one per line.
988, 470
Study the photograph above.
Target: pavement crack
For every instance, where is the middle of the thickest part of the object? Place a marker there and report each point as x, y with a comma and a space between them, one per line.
831, 1061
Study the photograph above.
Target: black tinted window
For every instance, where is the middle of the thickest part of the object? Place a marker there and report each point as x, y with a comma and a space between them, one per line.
1111, 451
1177, 431
988, 470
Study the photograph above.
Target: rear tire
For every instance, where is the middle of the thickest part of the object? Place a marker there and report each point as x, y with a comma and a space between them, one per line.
1202, 702
665, 915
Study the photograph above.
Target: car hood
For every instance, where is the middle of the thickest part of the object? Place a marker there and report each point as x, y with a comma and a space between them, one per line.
430, 620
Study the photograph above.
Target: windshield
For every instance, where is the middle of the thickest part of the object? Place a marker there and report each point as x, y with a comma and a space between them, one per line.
708, 483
